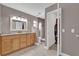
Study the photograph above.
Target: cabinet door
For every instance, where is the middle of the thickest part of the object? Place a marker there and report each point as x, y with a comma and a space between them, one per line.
22, 41
32, 38
6, 45
28, 39
16, 42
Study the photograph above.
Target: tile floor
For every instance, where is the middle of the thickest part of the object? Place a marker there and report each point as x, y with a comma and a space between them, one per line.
35, 51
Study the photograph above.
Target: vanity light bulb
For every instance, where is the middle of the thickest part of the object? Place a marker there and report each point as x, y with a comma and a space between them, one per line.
22, 18
25, 20
18, 18
14, 17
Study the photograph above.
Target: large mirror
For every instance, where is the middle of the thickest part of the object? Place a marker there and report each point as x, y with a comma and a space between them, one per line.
18, 24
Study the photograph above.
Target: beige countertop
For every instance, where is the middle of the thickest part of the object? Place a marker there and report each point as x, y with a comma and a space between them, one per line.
15, 33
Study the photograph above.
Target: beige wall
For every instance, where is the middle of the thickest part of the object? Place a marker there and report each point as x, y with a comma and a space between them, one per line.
7, 12
70, 19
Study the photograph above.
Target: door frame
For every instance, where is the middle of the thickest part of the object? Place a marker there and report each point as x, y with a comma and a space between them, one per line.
59, 37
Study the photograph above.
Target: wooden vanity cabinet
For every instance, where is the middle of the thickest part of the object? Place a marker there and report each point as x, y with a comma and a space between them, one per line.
32, 38
15, 42
6, 45
28, 40
11, 43
23, 41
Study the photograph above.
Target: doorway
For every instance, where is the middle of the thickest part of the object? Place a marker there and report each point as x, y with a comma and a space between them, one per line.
53, 30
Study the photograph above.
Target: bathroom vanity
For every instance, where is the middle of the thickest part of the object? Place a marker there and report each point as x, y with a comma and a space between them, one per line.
13, 42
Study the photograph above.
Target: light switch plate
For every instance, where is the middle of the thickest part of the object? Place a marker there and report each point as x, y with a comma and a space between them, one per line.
72, 30
77, 35
63, 30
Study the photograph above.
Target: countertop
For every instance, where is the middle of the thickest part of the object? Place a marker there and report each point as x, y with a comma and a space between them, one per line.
15, 33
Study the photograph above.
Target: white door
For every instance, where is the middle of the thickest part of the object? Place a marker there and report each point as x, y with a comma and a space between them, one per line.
51, 20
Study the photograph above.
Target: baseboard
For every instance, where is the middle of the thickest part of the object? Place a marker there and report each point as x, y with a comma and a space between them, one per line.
64, 54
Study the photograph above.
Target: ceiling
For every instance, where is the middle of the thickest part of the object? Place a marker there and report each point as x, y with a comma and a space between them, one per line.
35, 9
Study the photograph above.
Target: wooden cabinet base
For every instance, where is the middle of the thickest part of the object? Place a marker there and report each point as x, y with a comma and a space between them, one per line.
13, 43
15, 51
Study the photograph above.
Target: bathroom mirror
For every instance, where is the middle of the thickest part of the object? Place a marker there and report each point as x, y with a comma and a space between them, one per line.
18, 24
